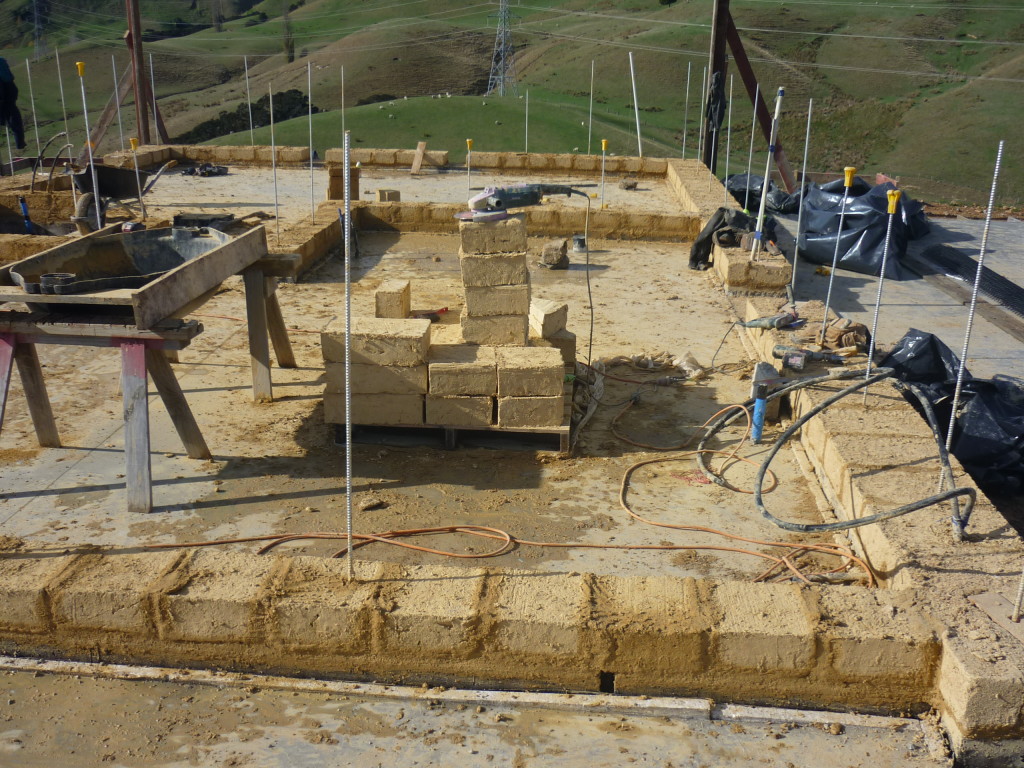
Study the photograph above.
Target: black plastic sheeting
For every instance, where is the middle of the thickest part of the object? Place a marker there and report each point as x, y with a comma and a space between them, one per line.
961, 266
746, 190
862, 241
988, 437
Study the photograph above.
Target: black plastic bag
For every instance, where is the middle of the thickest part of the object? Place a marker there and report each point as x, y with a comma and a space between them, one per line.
746, 190
862, 241
922, 358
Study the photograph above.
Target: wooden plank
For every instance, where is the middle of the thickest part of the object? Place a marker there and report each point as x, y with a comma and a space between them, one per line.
417, 160
35, 393
259, 346
138, 472
167, 294
1000, 609
176, 404
40, 325
275, 325
121, 297
7, 343
279, 264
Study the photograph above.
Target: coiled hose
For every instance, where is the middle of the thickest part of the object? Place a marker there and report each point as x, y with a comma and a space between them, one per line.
959, 519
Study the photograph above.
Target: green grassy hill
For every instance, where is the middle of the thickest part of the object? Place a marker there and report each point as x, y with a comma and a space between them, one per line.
920, 91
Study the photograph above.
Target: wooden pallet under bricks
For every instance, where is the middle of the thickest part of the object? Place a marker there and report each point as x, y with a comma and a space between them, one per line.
509, 375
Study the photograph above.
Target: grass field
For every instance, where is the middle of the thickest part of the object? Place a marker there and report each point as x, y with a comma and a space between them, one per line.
922, 91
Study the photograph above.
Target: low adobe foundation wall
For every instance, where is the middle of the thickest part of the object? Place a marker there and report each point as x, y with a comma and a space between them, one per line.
475, 627
879, 455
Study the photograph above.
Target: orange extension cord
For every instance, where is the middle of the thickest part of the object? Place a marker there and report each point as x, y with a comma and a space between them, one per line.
508, 541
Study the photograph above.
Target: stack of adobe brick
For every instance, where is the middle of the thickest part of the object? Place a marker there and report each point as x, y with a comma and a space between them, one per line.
509, 372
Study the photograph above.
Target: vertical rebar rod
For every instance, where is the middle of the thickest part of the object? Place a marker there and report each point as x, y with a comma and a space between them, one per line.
803, 186
152, 92
309, 90
134, 143
772, 134
63, 104
590, 119
974, 299
894, 198
117, 101
32, 101
348, 356
88, 143
604, 154
248, 101
636, 108
1015, 616
700, 129
469, 166
750, 153
273, 162
848, 172
686, 107
728, 146
343, 100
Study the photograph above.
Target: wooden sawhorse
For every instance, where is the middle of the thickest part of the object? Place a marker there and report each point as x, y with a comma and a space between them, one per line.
265, 321
142, 352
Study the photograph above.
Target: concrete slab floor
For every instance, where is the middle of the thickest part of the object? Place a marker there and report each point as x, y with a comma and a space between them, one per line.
277, 469
156, 719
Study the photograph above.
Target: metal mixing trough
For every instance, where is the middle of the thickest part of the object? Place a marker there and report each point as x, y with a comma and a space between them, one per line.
157, 273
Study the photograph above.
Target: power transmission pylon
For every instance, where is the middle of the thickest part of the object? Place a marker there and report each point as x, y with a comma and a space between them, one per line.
503, 62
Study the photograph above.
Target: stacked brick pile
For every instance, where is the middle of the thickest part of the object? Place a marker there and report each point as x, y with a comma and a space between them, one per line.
508, 373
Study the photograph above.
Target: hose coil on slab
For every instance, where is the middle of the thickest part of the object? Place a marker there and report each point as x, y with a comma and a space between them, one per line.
959, 518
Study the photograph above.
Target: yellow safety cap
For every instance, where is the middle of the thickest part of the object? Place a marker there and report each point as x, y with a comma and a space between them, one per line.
134, 142
80, 65
894, 199
849, 171
604, 145
469, 144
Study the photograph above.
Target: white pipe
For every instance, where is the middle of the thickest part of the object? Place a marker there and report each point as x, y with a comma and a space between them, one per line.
32, 100
590, 122
803, 185
117, 100
273, 162
703, 96
686, 108
750, 154
636, 108
88, 144
881, 285
974, 299
309, 88
152, 89
759, 233
728, 145
248, 101
348, 357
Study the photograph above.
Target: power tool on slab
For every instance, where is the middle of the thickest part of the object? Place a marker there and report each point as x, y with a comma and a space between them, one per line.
796, 358
494, 203
781, 320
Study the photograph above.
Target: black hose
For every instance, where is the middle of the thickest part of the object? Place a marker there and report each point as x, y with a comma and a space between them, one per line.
960, 520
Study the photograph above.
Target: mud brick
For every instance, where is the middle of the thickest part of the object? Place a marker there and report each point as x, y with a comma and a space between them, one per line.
563, 341
393, 299
486, 301
460, 411
378, 379
495, 330
378, 341
515, 412
375, 409
462, 369
530, 372
493, 269
503, 236
547, 317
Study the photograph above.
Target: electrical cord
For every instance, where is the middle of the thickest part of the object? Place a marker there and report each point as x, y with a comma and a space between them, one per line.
960, 520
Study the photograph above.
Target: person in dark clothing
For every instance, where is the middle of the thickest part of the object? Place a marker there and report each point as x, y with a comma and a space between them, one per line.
9, 114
